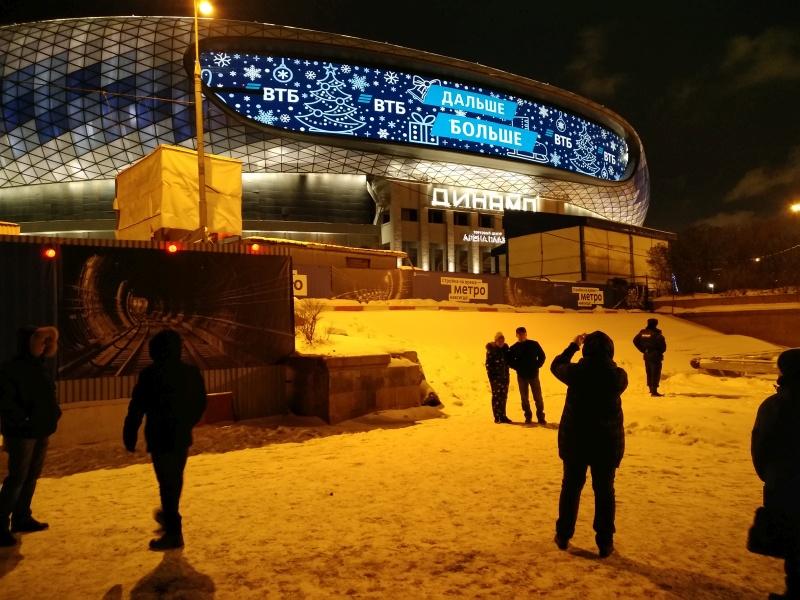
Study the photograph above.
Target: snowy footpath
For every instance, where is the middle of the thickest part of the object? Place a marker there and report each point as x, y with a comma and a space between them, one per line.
426, 503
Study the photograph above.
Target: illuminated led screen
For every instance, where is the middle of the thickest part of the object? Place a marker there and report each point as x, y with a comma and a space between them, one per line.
327, 98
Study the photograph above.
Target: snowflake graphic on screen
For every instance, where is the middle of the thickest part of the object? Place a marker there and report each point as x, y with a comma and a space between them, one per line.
345, 68
613, 145
222, 59
555, 159
311, 75
285, 118
383, 134
358, 82
461, 113
267, 118
252, 73
332, 109
543, 112
391, 78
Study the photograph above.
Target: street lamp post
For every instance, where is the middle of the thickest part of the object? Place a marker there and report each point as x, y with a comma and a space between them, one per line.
206, 9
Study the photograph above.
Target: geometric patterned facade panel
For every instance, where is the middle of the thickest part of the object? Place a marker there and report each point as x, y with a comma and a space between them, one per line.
82, 99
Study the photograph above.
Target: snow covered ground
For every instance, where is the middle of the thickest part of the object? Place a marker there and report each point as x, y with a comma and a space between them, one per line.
425, 503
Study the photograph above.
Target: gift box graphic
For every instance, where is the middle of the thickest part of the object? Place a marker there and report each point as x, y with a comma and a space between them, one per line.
419, 129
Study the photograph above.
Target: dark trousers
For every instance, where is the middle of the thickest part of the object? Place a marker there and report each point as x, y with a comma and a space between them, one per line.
604, 502
792, 567
535, 387
653, 369
25, 462
169, 468
499, 397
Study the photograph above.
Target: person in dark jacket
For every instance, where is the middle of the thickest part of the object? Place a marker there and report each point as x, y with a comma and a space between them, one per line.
775, 447
527, 357
172, 395
497, 357
590, 435
651, 343
29, 415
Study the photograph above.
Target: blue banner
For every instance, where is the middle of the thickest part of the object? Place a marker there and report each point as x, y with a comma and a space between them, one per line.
484, 132
321, 97
457, 99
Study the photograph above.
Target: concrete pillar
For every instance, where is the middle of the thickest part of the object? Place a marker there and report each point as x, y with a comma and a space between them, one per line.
424, 238
396, 223
450, 236
474, 248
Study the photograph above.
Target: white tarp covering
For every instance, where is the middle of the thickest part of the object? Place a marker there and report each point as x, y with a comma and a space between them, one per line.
160, 192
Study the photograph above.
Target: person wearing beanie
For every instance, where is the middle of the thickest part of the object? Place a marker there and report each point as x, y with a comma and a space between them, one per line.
651, 343
527, 357
590, 435
775, 448
497, 359
29, 415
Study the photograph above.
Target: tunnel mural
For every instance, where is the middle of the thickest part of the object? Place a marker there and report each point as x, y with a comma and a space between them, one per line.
232, 310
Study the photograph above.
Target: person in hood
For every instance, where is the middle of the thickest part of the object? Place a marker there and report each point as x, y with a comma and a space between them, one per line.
172, 396
29, 415
775, 447
590, 435
651, 343
497, 359
527, 357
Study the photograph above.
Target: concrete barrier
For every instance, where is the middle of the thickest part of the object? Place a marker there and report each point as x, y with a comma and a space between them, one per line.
778, 326
90, 422
337, 388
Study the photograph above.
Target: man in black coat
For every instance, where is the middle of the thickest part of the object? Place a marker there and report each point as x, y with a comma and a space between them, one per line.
775, 448
651, 343
172, 395
497, 356
527, 357
590, 435
29, 415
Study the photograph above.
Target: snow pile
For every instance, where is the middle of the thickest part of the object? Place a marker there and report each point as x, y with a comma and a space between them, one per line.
403, 506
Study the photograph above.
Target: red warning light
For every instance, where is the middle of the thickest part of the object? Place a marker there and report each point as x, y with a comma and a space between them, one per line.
172, 248
254, 248
49, 253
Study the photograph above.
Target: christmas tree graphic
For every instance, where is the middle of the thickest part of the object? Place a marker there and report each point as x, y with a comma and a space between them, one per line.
585, 160
332, 109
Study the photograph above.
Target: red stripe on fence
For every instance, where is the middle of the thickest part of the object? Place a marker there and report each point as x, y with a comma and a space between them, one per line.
348, 308
486, 309
402, 307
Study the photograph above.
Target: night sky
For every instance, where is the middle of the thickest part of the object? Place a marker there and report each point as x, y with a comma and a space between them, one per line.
713, 88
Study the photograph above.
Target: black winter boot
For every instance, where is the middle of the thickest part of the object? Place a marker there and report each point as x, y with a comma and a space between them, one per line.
168, 541
28, 525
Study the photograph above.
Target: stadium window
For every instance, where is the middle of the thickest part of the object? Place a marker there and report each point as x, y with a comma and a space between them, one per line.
409, 214
435, 216
385, 217
461, 218
411, 249
486, 221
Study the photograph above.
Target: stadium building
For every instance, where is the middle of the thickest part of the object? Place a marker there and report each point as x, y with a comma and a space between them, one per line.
342, 140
